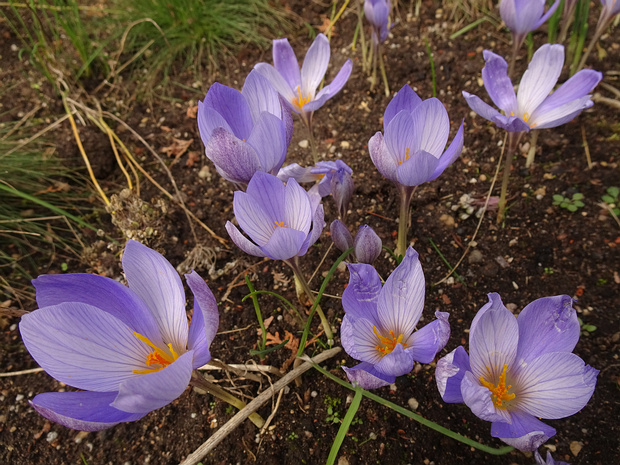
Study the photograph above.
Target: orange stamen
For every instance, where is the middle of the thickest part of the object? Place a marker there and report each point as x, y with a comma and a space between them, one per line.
300, 101
389, 342
157, 357
499, 393
279, 224
400, 162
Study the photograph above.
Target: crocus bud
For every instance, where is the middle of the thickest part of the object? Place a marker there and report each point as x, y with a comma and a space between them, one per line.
342, 190
340, 235
367, 245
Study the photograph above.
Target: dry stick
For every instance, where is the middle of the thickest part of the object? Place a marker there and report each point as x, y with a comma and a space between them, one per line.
610, 88
607, 101
253, 406
243, 367
320, 263
499, 163
36, 136
273, 413
22, 372
22, 121
586, 148
117, 156
242, 373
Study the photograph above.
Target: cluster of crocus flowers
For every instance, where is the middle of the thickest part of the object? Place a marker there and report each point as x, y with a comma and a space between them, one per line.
379, 323
245, 132
520, 369
129, 349
367, 244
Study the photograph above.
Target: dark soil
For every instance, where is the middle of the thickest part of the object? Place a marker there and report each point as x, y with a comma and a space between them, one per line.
541, 250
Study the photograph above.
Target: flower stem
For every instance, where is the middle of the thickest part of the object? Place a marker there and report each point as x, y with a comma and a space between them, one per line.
532, 151
511, 146
313, 147
383, 74
603, 24
293, 263
406, 193
516, 45
373, 77
201, 383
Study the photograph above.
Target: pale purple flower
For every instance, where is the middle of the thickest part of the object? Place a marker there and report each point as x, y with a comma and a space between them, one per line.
549, 461
532, 107
343, 240
244, 132
377, 13
524, 16
416, 133
281, 220
379, 323
519, 370
299, 89
129, 350
367, 245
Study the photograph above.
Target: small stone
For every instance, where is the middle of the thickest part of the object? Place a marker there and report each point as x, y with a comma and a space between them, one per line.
303, 144
343, 460
314, 394
14, 48
575, 447
345, 145
19, 397
413, 404
447, 220
51, 436
475, 257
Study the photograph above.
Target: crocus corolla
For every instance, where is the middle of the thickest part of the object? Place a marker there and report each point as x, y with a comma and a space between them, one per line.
524, 16
129, 350
549, 461
244, 132
416, 132
379, 323
377, 13
299, 89
520, 369
281, 220
532, 107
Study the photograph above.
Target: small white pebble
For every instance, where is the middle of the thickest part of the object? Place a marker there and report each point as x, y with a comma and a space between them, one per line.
194, 415
51, 436
413, 403
314, 394
13, 327
14, 48
19, 397
280, 318
393, 387
303, 143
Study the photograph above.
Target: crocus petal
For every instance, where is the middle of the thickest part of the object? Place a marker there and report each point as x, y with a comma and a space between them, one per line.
497, 83
104, 293
205, 319
384, 161
546, 325
359, 299
340, 235
418, 169
524, 433
481, 108
367, 245
284, 243
366, 341
548, 14
365, 376
400, 137
83, 410
82, 346
563, 114
243, 242
401, 300
431, 126
396, 363
577, 87
495, 302
405, 100
520, 16
318, 223
554, 385
540, 78
285, 61
267, 191
252, 218
450, 372
315, 65
478, 399
277, 81
231, 104
347, 338
450, 155
268, 139
208, 121
296, 171
235, 159
158, 284
424, 344
154, 390
261, 96
297, 208
341, 78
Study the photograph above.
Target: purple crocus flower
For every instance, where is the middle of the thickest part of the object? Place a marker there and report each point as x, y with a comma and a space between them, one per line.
377, 13
524, 16
379, 322
367, 245
281, 220
520, 369
532, 106
129, 350
299, 89
610, 8
343, 240
244, 132
416, 132
549, 461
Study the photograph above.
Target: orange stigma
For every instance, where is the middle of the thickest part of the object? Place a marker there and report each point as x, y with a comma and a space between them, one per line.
499, 393
160, 358
400, 162
279, 224
300, 101
389, 342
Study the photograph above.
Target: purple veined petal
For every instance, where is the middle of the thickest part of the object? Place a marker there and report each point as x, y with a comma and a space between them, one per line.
155, 390
554, 385
261, 96
315, 65
104, 293
451, 153
548, 14
342, 188
158, 284
578, 86
82, 410
497, 83
325, 185
277, 81
268, 139
449, 374
83, 346
252, 219
243, 242
493, 343
540, 78
347, 336
318, 101
284, 243
318, 224
418, 169
524, 433
400, 137
208, 121
481, 108
366, 340
297, 208
564, 114
231, 104
285, 62
405, 100
431, 127
367, 245
549, 461
401, 299
268, 192
287, 118
236, 160
427, 341
521, 16
298, 172
546, 325
495, 302
383, 160
343, 240
478, 399
396, 363
341, 78
205, 319
360, 297
365, 376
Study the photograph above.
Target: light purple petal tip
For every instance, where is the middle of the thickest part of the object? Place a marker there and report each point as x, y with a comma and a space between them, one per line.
365, 376
205, 319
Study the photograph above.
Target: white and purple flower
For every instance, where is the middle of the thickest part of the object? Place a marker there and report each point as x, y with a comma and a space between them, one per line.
129, 350
379, 323
519, 370
525, 16
377, 13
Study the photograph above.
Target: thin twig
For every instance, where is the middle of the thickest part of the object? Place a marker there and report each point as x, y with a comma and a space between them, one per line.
273, 413
21, 121
586, 148
316, 270
22, 372
241, 367
36, 136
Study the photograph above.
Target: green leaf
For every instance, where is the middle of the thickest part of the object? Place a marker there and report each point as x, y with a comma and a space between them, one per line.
557, 198
589, 328
579, 204
608, 199
571, 208
577, 196
613, 191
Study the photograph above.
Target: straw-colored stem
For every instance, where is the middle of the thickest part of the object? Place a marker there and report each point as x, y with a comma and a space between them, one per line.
383, 73
313, 147
406, 193
532, 151
511, 146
